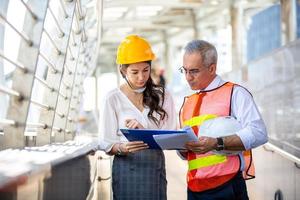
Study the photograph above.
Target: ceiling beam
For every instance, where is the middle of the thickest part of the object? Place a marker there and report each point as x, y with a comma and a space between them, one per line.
165, 3
146, 24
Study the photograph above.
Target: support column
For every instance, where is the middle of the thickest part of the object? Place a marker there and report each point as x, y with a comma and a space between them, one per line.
288, 21
236, 13
166, 54
195, 28
3, 100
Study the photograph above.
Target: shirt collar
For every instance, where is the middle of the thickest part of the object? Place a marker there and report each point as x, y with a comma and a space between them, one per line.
218, 81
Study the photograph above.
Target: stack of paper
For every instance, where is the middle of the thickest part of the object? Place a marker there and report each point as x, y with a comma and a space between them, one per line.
161, 139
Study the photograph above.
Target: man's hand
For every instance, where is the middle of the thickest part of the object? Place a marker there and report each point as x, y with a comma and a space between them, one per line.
204, 145
133, 124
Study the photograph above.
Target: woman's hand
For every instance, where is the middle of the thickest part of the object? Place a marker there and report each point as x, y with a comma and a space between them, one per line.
131, 147
133, 124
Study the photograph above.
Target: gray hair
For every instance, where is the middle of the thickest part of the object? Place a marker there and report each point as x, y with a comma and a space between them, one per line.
207, 51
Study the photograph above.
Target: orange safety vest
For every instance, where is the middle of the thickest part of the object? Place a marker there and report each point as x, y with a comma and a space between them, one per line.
209, 170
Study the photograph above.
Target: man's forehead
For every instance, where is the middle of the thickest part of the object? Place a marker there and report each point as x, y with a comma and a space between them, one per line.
192, 55
192, 59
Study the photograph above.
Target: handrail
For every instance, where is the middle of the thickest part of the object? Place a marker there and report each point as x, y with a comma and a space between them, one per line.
41, 158
273, 148
266, 149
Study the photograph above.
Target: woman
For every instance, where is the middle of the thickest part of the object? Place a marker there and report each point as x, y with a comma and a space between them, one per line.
137, 172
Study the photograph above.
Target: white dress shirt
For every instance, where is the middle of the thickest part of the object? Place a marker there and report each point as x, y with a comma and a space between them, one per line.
117, 108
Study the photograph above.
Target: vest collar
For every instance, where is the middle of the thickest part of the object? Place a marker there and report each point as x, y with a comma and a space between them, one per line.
217, 82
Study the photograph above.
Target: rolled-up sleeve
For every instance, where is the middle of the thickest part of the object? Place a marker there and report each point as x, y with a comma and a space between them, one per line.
244, 109
108, 125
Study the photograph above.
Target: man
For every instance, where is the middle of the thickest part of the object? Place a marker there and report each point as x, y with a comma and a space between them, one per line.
217, 176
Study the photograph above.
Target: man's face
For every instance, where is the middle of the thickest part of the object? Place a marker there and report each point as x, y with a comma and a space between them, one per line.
197, 75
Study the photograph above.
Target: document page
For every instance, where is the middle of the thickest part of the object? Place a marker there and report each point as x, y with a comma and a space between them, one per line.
175, 141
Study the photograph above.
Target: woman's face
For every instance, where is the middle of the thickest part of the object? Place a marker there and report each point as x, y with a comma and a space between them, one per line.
138, 74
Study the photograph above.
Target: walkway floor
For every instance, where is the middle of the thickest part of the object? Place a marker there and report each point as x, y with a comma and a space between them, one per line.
176, 176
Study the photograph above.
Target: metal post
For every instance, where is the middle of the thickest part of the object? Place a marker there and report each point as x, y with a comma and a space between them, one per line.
71, 123
24, 36
63, 104
57, 58
77, 80
77, 86
15, 63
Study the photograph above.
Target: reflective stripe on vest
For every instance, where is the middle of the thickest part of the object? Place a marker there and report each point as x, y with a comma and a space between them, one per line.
198, 120
206, 161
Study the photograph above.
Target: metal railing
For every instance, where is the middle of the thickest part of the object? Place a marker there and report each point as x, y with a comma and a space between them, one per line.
42, 96
61, 46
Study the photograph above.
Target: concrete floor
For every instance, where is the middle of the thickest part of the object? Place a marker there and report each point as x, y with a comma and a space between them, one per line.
176, 173
176, 176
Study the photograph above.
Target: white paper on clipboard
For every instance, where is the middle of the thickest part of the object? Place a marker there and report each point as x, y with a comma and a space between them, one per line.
175, 141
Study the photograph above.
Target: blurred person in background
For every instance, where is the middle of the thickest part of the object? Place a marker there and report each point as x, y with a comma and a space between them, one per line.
158, 76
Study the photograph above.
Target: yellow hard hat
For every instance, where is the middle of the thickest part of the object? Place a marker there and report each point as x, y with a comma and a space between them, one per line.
134, 49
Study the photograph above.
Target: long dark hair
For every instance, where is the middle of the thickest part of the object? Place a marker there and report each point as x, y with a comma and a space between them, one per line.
153, 97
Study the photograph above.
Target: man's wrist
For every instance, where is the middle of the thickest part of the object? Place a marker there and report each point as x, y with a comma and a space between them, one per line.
220, 144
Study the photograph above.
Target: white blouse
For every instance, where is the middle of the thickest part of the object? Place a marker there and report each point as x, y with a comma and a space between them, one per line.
117, 108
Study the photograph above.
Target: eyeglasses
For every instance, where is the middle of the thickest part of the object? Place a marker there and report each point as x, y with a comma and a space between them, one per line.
192, 72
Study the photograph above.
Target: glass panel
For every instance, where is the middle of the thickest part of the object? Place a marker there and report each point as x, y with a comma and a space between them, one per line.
9, 48
264, 33
42, 70
275, 83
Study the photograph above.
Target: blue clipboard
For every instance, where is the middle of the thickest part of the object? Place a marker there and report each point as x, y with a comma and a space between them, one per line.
146, 135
